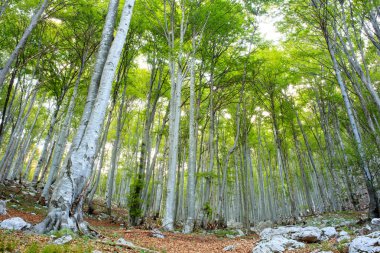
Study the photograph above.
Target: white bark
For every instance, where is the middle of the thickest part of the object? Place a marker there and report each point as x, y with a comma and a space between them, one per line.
65, 208
176, 76
20, 45
104, 47
62, 139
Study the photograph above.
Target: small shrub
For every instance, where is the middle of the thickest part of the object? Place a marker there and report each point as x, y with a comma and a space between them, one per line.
34, 248
62, 232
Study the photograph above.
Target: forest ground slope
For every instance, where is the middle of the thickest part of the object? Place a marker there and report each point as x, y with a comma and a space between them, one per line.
23, 203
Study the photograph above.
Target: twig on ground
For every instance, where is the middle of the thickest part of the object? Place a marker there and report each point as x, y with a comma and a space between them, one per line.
128, 246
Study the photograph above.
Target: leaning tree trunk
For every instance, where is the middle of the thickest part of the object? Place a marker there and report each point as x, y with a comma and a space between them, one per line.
104, 47
20, 45
374, 209
62, 139
115, 153
65, 207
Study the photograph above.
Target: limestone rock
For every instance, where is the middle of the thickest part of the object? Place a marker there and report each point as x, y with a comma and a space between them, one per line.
328, 233
122, 241
277, 244
229, 248
230, 236
240, 233
286, 232
62, 240
3, 207
262, 225
366, 244
157, 233
308, 235
343, 235
15, 223
375, 224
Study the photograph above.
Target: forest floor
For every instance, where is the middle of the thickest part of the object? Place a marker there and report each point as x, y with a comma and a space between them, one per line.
24, 204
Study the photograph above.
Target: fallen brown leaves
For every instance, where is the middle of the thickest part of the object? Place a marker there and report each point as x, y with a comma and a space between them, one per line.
194, 243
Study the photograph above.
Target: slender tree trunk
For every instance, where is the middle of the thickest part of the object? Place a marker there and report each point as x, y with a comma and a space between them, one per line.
374, 209
115, 153
176, 76
20, 45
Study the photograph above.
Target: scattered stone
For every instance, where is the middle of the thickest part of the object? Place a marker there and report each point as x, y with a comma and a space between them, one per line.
62, 240
230, 236
263, 225
328, 233
277, 244
3, 207
33, 213
375, 224
308, 235
15, 223
122, 241
343, 235
240, 233
157, 233
104, 216
366, 244
229, 248
96, 251
364, 230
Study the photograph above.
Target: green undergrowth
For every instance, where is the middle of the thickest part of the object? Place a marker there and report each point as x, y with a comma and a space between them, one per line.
50, 248
11, 241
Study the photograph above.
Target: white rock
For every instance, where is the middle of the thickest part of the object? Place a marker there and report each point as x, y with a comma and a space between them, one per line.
96, 251
308, 234
157, 233
268, 233
375, 221
328, 233
277, 244
229, 248
62, 240
3, 207
262, 225
375, 224
122, 241
230, 236
240, 233
15, 223
366, 244
343, 235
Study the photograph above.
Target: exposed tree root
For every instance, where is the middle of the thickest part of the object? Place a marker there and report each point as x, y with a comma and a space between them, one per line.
129, 246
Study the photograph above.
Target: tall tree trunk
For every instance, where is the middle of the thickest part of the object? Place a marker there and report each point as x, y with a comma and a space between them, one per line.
176, 76
20, 45
115, 152
62, 139
374, 209
65, 207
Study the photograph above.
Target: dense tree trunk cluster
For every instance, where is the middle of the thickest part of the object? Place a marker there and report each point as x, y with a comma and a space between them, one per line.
183, 113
